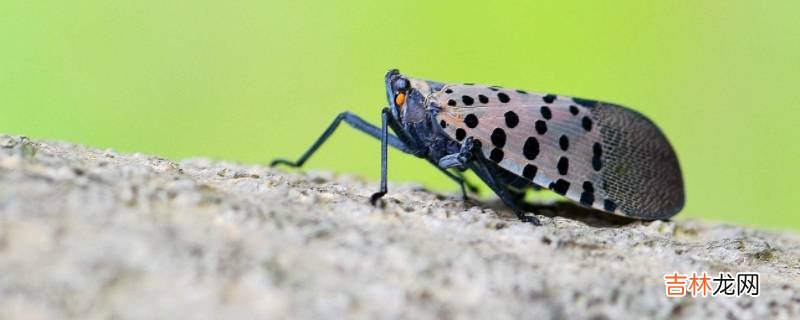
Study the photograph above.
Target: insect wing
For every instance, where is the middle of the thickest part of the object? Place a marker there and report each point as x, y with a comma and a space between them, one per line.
599, 154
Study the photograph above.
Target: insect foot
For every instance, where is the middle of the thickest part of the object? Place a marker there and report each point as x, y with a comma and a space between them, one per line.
530, 218
375, 197
283, 162
472, 187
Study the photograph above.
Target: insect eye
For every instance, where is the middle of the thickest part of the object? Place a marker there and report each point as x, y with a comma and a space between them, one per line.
401, 85
399, 99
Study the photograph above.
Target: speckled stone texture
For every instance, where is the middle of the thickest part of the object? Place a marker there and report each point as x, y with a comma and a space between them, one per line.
92, 234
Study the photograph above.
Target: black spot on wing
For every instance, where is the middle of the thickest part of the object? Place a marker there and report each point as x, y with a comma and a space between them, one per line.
597, 149
529, 171
541, 127
573, 110
587, 196
563, 142
503, 97
597, 156
546, 113
483, 99
588, 186
531, 148
499, 137
597, 163
443, 124
550, 98
563, 165
587, 123
561, 186
496, 155
467, 100
609, 205
451, 103
511, 119
471, 121
460, 134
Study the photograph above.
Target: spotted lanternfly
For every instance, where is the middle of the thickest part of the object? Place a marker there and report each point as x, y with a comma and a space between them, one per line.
598, 154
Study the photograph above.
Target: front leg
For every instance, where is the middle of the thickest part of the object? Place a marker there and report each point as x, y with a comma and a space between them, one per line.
399, 142
458, 160
355, 122
384, 141
363, 126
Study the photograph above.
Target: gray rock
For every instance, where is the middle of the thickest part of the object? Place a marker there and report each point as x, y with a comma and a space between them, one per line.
88, 233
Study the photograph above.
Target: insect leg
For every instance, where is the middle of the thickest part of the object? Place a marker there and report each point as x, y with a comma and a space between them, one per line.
362, 125
463, 183
458, 160
384, 142
480, 168
469, 185
354, 121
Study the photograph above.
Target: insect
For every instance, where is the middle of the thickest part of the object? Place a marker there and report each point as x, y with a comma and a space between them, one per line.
597, 154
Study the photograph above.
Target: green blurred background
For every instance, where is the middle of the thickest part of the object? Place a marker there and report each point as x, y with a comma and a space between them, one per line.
252, 80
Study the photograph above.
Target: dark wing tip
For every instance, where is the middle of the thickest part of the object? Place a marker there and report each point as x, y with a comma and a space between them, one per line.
641, 174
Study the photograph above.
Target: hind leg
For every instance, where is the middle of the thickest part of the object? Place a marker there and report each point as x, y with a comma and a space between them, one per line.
513, 201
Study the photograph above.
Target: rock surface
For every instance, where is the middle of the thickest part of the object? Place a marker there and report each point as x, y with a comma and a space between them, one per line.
88, 233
